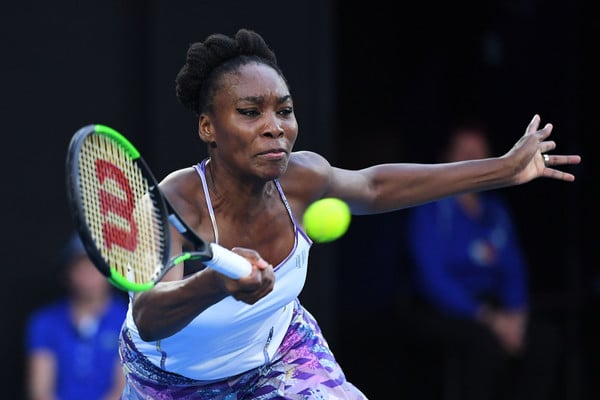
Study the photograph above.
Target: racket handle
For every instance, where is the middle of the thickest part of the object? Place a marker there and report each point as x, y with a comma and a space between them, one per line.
228, 263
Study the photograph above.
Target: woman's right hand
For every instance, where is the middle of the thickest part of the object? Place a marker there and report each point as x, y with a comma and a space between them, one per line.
255, 286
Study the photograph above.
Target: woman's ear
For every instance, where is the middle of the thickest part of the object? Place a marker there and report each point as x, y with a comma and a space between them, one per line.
205, 129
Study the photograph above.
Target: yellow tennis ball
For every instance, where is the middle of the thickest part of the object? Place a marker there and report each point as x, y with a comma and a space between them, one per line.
327, 219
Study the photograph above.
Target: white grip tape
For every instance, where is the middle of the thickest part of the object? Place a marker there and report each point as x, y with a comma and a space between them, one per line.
228, 263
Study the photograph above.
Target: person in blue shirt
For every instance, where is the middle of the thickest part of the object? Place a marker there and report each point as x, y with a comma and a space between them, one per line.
471, 282
72, 343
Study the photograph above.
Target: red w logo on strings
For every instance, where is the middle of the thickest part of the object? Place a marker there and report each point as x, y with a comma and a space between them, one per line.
121, 206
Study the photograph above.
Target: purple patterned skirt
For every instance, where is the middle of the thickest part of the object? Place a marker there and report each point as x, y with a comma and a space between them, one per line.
303, 368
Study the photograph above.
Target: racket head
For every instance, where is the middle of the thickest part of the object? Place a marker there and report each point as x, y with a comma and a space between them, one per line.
117, 208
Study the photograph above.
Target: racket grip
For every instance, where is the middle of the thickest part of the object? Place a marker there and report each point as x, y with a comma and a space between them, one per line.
228, 263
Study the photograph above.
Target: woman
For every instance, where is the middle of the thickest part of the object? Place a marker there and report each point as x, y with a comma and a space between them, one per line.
207, 336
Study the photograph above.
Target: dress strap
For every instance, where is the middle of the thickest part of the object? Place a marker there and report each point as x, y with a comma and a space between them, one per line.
201, 169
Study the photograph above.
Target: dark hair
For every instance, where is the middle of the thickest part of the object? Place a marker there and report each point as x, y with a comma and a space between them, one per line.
197, 81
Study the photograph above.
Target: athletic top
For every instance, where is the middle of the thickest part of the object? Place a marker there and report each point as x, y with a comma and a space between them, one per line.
232, 337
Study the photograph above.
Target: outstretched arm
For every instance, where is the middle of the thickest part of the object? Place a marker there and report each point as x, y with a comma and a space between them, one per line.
388, 187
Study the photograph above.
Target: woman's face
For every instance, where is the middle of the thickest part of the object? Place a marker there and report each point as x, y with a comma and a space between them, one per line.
252, 126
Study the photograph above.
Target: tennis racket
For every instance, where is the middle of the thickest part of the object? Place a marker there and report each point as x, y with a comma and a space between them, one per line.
123, 218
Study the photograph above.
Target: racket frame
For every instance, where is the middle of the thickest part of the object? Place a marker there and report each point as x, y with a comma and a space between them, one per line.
203, 251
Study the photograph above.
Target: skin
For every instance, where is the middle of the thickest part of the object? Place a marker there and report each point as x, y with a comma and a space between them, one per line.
250, 132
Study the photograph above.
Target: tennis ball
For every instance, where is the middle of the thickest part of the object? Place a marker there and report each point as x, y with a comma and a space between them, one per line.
327, 219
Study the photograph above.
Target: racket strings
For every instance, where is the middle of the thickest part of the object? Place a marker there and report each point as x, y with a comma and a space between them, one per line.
122, 213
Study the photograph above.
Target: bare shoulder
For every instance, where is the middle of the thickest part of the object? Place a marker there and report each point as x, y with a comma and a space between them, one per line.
309, 158
178, 180
307, 176
182, 188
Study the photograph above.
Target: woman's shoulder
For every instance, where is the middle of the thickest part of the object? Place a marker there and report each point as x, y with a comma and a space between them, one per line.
181, 183
307, 166
182, 188
306, 177
307, 156
308, 163
179, 176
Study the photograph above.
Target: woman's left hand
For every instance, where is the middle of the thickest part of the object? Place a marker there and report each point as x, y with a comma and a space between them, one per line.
530, 156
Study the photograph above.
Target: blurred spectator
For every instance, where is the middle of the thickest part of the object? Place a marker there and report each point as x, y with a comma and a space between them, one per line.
471, 291
71, 344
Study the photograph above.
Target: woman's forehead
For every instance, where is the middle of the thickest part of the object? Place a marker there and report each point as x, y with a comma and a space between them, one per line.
256, 79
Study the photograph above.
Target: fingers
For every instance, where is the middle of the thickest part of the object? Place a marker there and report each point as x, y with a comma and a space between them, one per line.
554, 160
533, 125
258, 284
557, 160
559, 175
551, 161
252, 256
547, 145
251, 297
261, 286
546, 131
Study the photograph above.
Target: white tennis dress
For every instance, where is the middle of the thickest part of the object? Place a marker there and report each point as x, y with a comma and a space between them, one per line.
232, 337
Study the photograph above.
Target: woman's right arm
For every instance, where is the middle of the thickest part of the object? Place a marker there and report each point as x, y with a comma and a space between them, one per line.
175, 302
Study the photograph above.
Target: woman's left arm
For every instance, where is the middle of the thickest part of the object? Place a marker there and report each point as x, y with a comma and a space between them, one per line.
388, 187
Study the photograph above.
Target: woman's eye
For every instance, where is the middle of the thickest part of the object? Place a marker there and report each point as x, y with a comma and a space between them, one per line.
248, 112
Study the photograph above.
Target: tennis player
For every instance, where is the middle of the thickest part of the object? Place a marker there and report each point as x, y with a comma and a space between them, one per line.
206, 336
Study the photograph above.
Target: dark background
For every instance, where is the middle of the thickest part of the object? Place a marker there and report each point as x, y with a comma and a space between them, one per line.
372, 82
